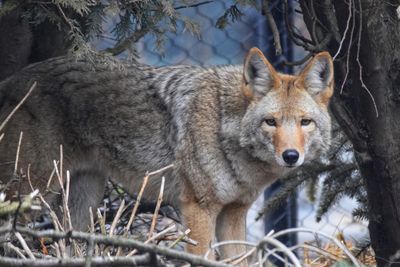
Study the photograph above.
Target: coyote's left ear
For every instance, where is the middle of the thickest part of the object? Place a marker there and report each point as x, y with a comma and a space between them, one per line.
258, 75
317, 77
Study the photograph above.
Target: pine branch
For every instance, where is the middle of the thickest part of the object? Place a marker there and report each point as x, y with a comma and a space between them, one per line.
334, 187
232, 14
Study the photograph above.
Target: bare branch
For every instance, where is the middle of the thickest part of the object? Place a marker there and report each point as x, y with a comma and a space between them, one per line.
18, 106
329, 10
139, 260
24, 245
117, 217
359, 63
193, 5
157, 209
296, 38
348, 53
350, 14
273, 27
113, 241
298, 62
319, 46
314, 232
17, 154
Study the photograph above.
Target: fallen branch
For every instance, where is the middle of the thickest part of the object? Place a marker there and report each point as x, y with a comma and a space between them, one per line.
139, 260
107, 240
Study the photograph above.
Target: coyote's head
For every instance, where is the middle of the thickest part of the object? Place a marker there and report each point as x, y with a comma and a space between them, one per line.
287, 121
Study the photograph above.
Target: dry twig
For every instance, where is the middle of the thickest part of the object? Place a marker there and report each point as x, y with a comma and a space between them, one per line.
17, 106
157, 209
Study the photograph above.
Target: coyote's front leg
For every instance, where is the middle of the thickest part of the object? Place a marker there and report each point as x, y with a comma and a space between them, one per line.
201, 220
231, 225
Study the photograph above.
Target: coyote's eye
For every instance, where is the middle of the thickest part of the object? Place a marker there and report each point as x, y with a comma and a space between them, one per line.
270, 122
305, 122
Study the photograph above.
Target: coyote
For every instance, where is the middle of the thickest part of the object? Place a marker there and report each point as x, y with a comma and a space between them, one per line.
230, 131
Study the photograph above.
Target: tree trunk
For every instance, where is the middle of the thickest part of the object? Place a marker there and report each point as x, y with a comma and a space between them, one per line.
380, 58
376, 139
22, 43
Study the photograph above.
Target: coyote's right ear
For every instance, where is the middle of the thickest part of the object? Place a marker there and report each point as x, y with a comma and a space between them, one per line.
259, 76
317, 77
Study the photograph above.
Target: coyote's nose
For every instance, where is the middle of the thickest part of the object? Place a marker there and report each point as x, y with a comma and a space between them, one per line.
290, 156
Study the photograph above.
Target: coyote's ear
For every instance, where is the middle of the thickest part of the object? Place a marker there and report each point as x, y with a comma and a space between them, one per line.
258, 75
317, 77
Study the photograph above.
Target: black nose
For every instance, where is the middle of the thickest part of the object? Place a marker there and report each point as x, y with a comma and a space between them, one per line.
290, 156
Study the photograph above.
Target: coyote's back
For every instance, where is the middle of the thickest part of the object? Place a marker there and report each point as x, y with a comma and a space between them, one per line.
229, 131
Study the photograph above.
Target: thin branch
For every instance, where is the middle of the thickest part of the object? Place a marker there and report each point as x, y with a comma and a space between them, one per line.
89, 253
359, 63
140, 260
139, 197
319, 233
228, 242
161, 170
157, 209
314, 23
298, 62
154, 237
297, 39
117, 217
17, 154
282, 248
180, 238
350, 14
319, 46
51, 177
24, 245
18, 106
273, 27
348, 52
328, 11
193, 5
17, 250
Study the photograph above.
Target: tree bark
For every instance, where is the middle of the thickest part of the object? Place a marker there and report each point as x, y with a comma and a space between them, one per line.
376, 139
380, 58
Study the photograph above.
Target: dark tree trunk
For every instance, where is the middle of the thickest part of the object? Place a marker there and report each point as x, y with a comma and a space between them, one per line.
22, 43
376, 139
380, 58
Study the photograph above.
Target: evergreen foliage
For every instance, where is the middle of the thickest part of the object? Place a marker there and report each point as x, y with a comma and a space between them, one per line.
84, 20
